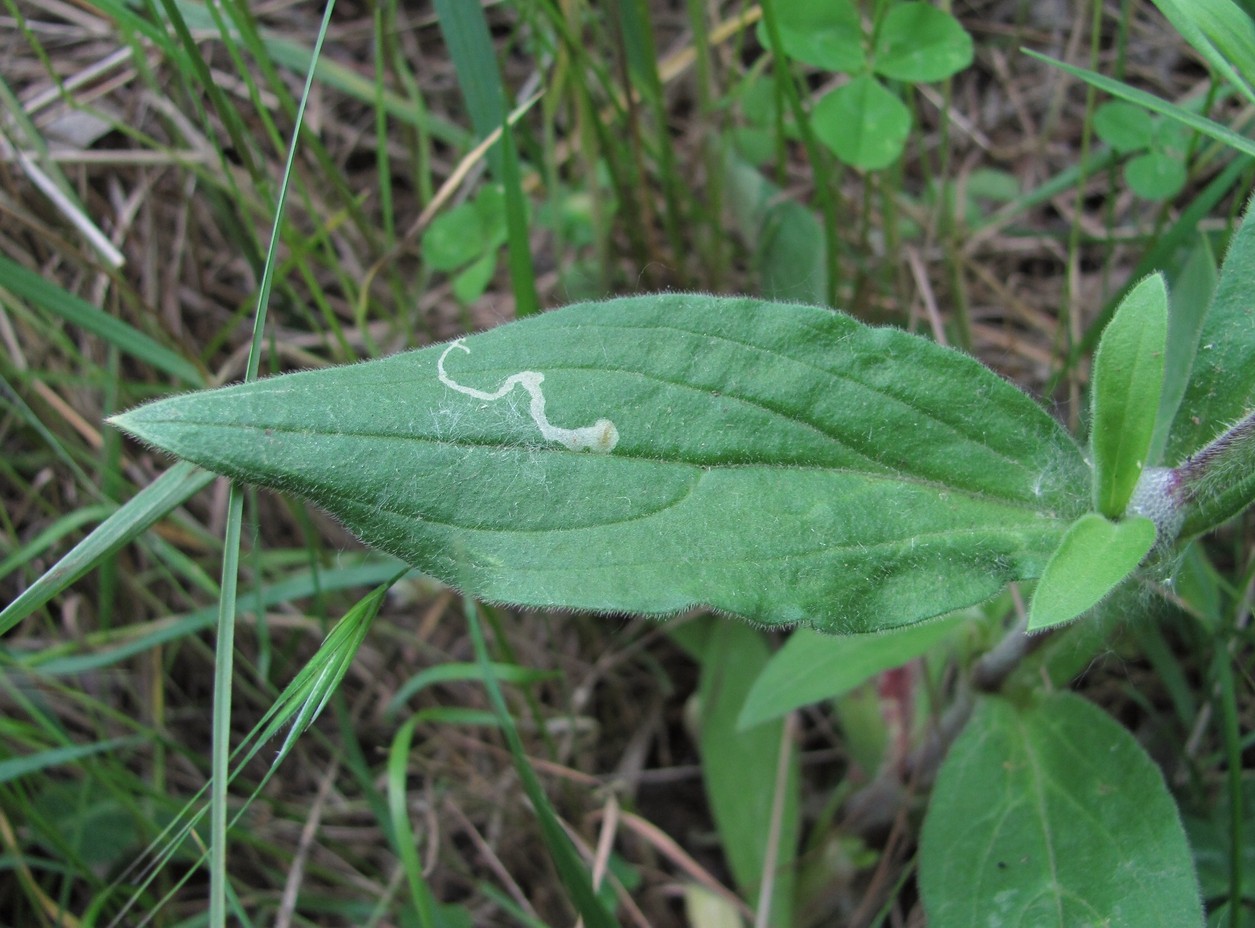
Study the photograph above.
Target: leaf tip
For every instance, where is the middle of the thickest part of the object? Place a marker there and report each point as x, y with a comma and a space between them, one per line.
126, 422
139, 424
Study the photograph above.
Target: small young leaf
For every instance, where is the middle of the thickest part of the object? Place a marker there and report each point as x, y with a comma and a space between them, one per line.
1127, 382
1052, 815
1123, 126
470, 283
919, 43
827, 35
1156, 175
466, 232
783, 463
863, 123
1093, 558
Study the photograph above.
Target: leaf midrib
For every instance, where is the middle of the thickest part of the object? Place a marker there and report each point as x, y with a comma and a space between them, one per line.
888, 476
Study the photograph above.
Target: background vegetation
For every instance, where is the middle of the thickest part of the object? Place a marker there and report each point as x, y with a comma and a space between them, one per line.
656, 146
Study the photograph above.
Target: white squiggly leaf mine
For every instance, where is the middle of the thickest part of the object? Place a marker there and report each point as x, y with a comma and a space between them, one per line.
600, 437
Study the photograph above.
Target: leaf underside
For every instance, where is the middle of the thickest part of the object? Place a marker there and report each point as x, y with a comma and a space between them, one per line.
779, 462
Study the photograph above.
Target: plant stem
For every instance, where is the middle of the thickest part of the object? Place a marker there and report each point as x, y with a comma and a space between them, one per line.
1218, 481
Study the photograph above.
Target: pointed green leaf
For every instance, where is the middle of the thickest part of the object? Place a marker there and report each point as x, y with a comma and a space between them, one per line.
1222, 32
863, 123
1191, 295
1222, 383
812, 667
29, 285
1093, 558
1127, 381
919, 43
1186, 117
784, 463
132, 518
1053, 816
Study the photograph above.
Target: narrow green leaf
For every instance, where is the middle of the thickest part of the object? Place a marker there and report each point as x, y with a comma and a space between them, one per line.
812, 667
1222, 384
11, 768
740, 768
28, 285
296, 708
919, 43
1190, 296
403, 837
1052, 815
52, 534
522, 272
1208, 127
863, 123
465, 30
1222, 32
296, 57
113, 648
783, 463
1127, 383
1211, 837
1094, 557
574, 875
454, 671
136, 515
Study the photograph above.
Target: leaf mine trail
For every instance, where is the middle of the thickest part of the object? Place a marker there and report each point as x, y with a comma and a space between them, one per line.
600, 437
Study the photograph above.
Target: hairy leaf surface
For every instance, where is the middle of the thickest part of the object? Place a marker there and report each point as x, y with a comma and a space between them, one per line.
784, 463
1095, 556
1128, 381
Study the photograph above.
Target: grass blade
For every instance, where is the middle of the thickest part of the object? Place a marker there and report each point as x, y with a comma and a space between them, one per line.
28, 285
570, 868
131, 519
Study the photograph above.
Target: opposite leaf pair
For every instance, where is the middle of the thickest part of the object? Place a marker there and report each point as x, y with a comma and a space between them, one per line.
1097, 553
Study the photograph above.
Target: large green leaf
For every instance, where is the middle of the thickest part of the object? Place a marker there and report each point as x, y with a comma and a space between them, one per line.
780, 462
1052, 815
